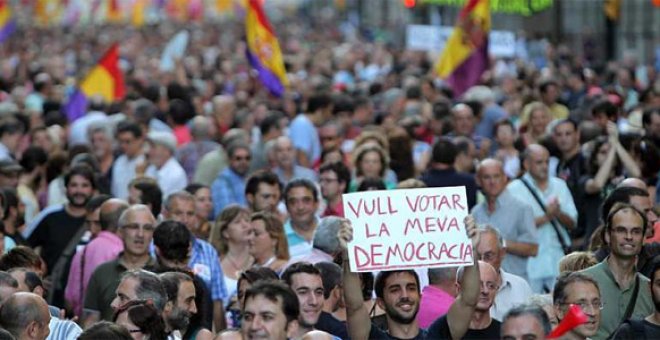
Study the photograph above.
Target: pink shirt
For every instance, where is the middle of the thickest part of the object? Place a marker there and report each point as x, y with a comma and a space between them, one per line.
435, 303
105, 247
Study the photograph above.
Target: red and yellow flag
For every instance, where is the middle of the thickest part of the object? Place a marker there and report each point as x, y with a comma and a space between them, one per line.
465, 56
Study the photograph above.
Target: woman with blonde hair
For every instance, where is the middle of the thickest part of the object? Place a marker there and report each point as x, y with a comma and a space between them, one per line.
372, 161
576, 261
267, 241
536, 117
229, 236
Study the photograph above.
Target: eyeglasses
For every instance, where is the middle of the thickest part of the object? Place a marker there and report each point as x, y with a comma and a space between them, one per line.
490, 285
595, 304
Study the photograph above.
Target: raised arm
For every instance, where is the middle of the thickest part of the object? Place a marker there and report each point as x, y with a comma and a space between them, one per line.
357, 315
460, 312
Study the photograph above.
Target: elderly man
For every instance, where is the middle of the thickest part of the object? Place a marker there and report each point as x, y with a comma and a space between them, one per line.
582, 290
25, 316
554, 212
285, 157
136, 229
513, 290
525, 322
513, 217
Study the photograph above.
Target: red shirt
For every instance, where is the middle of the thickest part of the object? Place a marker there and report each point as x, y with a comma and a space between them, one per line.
337, 210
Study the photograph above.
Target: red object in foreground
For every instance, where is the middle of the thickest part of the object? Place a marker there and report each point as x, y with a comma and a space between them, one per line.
573, 318
409, 3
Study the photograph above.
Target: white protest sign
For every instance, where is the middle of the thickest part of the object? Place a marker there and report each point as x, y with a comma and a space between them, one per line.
501, 44
406, 229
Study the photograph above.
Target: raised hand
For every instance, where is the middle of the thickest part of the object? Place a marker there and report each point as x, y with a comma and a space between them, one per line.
471, 230
345, 234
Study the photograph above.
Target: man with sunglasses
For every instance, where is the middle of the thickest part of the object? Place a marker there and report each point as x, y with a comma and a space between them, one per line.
229, 187
136, 229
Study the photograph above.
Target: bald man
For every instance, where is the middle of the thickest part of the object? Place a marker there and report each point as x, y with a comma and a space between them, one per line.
482, 325
553, 215
511, 216
25, 316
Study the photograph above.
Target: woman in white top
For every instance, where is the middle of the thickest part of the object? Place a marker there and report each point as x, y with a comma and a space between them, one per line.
230, 236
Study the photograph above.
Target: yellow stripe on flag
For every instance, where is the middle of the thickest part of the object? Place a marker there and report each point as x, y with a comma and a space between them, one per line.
461, 42
99, 82
5, 15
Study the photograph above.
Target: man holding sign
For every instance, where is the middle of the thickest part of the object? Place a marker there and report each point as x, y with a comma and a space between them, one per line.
399, 295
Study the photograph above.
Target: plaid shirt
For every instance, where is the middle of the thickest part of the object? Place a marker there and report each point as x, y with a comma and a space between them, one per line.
206, 264
228, 188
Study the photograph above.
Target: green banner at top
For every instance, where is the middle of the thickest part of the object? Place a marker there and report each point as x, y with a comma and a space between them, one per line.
521, 7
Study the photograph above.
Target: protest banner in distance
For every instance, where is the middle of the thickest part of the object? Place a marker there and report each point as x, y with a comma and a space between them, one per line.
406, 229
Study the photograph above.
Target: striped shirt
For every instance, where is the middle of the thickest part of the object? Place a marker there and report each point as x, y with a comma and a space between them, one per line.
63, 329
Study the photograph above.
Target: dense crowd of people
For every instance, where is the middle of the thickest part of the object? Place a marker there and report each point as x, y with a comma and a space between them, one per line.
202, 207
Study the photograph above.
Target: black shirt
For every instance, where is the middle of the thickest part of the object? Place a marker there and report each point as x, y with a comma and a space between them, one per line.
638, 329
378, 334
53, 233
434, 178
440, 330
330, 324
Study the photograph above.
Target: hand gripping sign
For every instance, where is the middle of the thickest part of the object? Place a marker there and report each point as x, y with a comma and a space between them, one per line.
407, 229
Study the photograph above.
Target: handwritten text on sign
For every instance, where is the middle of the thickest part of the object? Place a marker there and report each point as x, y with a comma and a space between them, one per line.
403, 229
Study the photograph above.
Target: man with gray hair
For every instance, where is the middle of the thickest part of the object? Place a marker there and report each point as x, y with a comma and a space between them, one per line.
525, 322
325, 244
285, 159
162, 165
191, 153
25, 316
513, 290
139, 284
136, 228
8, 286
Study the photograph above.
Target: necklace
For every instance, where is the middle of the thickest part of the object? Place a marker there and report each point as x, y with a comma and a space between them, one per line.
238, 268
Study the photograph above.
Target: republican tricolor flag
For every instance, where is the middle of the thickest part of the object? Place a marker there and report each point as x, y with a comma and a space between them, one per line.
263, 49
104, 80
465, 56
7, 21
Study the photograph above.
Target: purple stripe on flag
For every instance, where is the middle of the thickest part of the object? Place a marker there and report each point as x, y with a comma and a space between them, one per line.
469, 72
7, 30
76, 107
268, 78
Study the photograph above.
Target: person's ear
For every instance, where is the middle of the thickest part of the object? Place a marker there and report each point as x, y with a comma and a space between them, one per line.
169, 306
32, 329
250, 198
39, 290
380, 303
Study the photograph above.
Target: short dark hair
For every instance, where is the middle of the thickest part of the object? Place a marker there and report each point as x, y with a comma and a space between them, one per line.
648, 113
655, 267
301, 182
566, 121
543, 87
622, 206
533, 310
318, 101
192, 188
31, 279
105, 330
381, 278
82, 171
340, 169
173, 240
131, 127
144, 315
604, 107
298, 268
171, 281
150, 193
444, 152
33, 157
270, 122
503, 122
331, 274
95, 202
371, 183
277, 291
11, 125
620, 195
261, 176
20, 256
559, 292
9, 199
255, 274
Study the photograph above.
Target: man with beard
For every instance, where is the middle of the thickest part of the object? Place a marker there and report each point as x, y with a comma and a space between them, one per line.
581, 290
54, 227
181, 304
649, 327
306, 281
398, 294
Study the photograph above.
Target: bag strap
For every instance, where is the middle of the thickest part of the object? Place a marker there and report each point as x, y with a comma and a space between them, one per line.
552, 221
633, 300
